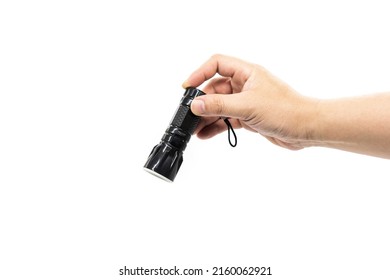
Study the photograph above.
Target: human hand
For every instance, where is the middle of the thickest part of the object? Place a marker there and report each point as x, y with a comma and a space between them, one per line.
252, 98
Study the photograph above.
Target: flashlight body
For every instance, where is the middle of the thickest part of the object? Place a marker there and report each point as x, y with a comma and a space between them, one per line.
166, 158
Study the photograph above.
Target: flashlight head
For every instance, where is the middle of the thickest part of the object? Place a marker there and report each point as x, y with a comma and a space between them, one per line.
166, 157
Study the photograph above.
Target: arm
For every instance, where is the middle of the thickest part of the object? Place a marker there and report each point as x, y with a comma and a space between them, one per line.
255, 99
359, 124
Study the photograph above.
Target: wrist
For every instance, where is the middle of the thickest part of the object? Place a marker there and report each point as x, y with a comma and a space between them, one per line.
324, 126
310, 120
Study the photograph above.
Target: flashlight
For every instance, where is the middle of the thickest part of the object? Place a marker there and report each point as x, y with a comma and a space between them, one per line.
166, 158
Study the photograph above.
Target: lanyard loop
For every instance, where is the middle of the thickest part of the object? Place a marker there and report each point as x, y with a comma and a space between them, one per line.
230, 128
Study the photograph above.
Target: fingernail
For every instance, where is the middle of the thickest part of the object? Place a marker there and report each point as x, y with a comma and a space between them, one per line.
198, 107
185, 84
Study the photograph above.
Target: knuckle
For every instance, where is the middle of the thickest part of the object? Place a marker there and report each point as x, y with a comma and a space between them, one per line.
218, 106
216, 56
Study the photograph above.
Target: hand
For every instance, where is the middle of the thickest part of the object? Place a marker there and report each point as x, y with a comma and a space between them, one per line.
252, 98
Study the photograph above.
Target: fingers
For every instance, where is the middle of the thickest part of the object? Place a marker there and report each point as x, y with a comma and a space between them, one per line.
205, 122
217, 127
224, 65
219, 85
222, 105
216, 85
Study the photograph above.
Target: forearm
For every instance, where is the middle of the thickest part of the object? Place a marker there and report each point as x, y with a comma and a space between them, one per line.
359, 124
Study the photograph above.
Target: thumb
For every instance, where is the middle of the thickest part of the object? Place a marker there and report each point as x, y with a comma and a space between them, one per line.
220, 105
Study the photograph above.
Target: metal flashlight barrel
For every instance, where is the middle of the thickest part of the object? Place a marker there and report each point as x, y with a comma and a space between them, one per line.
165, 159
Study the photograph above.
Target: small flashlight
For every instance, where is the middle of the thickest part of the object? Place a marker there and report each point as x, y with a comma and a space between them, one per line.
166, 158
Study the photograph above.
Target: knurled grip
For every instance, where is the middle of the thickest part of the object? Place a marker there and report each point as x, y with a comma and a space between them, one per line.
166, 157
185, 119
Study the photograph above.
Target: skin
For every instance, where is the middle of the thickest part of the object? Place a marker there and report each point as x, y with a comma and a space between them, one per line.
252, 98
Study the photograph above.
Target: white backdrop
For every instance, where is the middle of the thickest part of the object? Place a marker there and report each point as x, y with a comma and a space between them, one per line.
87, 88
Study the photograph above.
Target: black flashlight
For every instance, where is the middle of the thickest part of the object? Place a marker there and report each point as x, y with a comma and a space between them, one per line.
166, 158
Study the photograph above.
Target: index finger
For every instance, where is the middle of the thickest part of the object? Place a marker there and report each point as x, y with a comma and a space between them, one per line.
224, 65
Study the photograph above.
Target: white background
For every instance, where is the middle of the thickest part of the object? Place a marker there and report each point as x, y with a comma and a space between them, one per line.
87, 88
